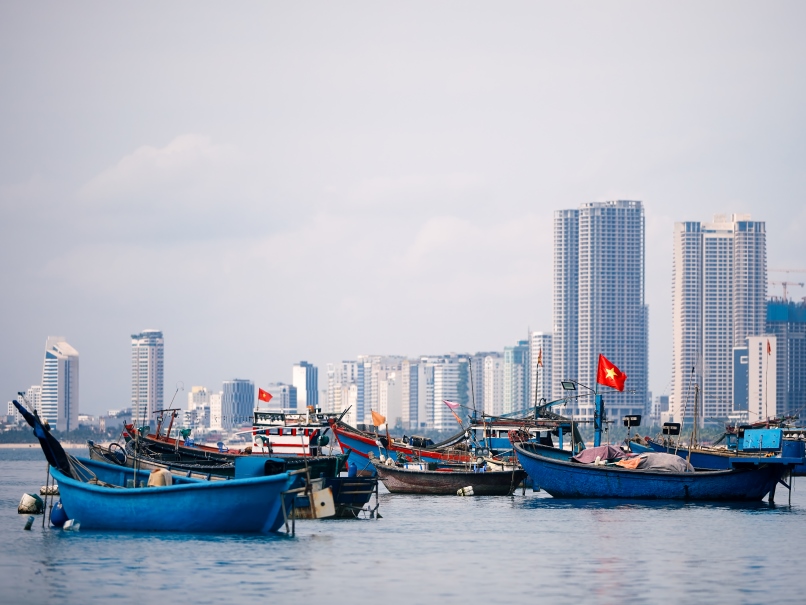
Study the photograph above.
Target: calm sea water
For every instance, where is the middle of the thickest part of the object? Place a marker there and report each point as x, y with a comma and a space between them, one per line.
522, 549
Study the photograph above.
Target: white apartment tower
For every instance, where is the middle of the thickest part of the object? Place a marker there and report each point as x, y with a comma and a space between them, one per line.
494, 384
33, 401
599, 301
390, 400
59, 393
451, 382
566, 294
410, 391
762, 353
719, 287
147, 374
342, 389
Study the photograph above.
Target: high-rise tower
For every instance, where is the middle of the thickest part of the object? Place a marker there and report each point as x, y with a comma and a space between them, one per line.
719, 286
599, 301
516, 377
566, 294
305, 377
59, 393
237, 403
787, 320
147, 374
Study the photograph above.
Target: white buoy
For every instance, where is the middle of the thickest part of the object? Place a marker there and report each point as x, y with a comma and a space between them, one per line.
71, 525
465, 491
31, 504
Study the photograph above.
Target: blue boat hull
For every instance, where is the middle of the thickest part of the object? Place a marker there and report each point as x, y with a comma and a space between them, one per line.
553, 472
252, 505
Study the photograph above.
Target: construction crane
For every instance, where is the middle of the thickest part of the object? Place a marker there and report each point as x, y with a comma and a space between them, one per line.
785, 284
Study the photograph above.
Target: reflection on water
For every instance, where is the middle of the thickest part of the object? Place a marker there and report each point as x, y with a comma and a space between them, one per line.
447, 549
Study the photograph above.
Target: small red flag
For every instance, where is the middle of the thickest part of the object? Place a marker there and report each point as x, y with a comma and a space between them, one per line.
769, 348
263, 395
609, 375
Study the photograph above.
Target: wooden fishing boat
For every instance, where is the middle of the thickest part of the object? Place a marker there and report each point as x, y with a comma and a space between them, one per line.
554, 471
176, 463
155, 454
361, 444
419, 479
351, 494
273, 432
486, 437
748, 448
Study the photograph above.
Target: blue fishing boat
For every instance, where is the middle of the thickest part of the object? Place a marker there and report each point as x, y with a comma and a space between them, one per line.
554, 471
103, 496
98, 495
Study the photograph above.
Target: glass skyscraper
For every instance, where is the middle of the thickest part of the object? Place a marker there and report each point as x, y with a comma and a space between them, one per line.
787, 320
237, 403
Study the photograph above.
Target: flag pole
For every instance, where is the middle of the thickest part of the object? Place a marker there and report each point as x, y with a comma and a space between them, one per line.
598, 409
537, 379
766, 373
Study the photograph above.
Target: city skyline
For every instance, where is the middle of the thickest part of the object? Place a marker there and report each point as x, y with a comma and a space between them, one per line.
294, 196
154, 337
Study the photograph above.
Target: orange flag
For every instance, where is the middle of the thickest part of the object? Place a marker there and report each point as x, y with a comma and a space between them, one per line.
377, 419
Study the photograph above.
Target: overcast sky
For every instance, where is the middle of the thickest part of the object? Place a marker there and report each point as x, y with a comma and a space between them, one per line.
272, 182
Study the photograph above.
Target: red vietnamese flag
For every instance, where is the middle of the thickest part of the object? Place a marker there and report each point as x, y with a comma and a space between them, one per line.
609, 375
263, 395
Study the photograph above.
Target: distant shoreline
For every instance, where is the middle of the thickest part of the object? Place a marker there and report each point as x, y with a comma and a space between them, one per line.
25, 446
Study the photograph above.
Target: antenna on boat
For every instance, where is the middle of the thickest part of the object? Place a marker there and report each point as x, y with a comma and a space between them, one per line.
472, 389
696, 421
685, 408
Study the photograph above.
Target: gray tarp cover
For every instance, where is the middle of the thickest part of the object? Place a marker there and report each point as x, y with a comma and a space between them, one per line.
657, 461
605, 452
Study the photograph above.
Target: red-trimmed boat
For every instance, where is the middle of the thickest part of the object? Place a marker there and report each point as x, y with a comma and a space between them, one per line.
359, 445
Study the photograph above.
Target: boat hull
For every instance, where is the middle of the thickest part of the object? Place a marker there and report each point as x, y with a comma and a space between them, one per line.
553, 472
362, 444
253, 505
407, 481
